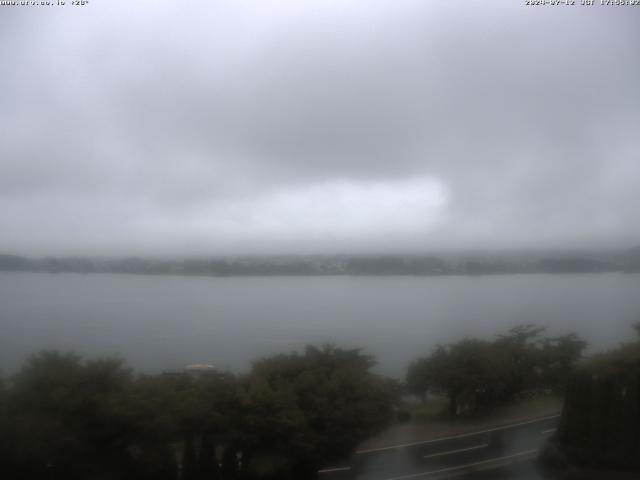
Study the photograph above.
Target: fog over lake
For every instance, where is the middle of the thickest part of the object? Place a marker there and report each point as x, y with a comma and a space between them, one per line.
166, 322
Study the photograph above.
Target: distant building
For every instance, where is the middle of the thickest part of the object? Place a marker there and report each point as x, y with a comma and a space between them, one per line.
196, 370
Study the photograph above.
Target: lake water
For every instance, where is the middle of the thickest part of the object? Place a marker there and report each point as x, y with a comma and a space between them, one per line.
160, 322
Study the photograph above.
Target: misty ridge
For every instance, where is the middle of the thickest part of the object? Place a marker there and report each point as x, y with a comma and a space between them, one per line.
627, 261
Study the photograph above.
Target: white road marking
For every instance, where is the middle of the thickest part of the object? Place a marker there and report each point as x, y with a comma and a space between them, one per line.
451, 452
453, 437
462, 467
546, 432
335, 469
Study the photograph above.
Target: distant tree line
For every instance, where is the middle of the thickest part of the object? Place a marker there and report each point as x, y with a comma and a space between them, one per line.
474, 374
62, 417
331, 265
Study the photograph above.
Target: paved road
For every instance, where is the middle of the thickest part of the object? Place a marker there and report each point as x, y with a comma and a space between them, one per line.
505, 452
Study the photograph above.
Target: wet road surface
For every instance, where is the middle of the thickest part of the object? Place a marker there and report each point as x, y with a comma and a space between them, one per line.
501, 453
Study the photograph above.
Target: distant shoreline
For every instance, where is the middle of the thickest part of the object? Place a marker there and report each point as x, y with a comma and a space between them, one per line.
343, 265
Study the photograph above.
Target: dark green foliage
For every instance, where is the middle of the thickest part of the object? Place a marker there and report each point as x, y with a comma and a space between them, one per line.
208, 464
67, 416
519, 354
305, 410
476, 374
230, 465
418, 378
558, 356
600, 423
4, 424
189, 460
63, 417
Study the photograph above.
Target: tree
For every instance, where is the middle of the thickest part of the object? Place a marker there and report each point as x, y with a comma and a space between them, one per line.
208, 465
467, 372
304, 410
189, 460
476, 373
177, 410
66, 417
417, 378
230, 464
600, 418
519, 350
559, 356
4, 424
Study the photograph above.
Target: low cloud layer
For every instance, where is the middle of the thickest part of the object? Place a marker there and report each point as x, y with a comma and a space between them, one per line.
259, 127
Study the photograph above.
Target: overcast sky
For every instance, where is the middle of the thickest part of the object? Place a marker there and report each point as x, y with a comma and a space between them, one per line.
162, 127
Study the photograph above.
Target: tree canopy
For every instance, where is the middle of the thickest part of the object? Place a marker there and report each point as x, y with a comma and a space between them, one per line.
477, 373
70, 418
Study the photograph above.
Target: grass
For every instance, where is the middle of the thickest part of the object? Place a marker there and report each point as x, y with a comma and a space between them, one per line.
436, 408
433, 408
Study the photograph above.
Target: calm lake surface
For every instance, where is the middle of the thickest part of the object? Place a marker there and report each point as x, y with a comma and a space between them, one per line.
158, 322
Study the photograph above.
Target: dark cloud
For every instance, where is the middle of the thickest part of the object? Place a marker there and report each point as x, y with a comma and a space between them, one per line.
317, 126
